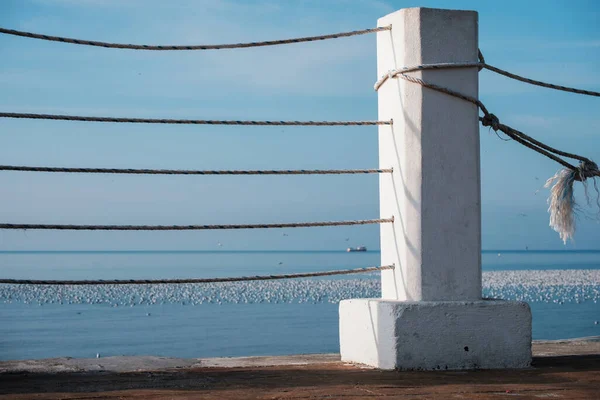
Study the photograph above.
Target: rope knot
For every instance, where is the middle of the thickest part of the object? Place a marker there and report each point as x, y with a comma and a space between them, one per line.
492, 121
587, 169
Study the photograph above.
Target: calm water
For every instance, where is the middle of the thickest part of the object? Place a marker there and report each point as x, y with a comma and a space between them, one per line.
283, 317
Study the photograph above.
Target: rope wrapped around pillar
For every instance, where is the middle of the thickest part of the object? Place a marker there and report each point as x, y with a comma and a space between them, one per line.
562, 204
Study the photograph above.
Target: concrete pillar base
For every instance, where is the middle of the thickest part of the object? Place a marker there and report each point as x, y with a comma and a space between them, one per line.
436, 335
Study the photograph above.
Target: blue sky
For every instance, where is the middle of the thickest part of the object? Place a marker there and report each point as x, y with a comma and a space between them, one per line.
557, 41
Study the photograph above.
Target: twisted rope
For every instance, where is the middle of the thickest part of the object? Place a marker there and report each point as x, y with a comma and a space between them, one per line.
562, 201
187, 121
193, 227
488, 118
395, 72
539, 83
190, 47
198, 280
194, 172
481, 64
443, 90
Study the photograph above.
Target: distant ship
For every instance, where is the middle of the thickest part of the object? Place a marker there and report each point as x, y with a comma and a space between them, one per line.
359, 248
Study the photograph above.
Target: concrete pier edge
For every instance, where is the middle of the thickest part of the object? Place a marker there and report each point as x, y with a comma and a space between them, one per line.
541, 348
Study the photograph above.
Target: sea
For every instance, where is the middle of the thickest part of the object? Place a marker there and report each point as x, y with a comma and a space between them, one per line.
295, 316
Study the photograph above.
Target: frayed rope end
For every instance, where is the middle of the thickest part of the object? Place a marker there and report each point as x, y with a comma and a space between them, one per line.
561, 202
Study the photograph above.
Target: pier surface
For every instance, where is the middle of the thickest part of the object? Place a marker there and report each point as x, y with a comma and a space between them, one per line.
561, 370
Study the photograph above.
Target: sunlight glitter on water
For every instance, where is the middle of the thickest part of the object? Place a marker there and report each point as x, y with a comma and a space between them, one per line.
550, 286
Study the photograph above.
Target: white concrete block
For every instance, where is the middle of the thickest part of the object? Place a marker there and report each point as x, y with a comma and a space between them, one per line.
433, 147
431, 315
388, 334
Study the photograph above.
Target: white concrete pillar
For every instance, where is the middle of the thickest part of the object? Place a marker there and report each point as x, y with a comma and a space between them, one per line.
433, 146
431, 315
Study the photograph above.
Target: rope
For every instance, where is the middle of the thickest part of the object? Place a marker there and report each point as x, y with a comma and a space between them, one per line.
481, 64
193, 227
539, 83
488, 119
492, 121
187, 121
395, 72
190, 47
562, 200
194, 172
443, 90
198, 280
561, 203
